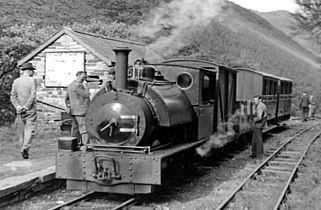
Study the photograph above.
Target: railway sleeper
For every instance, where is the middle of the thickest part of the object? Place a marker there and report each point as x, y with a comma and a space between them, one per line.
267, 179
283, 174
278, 168
288, 160
288, 154
278, 163
254, 193
292, 152
259, 185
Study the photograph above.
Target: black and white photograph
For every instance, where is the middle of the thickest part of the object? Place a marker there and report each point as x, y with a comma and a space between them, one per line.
160, 104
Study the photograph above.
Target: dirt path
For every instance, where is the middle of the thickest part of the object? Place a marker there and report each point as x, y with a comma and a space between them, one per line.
42, 151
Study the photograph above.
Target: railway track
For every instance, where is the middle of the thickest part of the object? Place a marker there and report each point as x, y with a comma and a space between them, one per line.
97, 200
267, 185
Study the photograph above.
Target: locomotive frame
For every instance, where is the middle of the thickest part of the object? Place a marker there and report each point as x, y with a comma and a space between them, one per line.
218, 101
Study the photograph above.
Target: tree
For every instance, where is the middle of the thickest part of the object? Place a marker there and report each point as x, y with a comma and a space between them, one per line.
16, 42
308, 19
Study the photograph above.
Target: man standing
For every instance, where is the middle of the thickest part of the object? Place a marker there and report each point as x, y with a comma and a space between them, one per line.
77, 101
260, 118
304, 105
311, 106
23, 98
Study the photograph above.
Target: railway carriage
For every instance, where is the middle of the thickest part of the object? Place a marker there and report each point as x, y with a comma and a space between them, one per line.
276, 93
153, 120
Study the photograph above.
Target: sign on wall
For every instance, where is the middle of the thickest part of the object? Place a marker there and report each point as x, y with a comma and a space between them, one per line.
61, 67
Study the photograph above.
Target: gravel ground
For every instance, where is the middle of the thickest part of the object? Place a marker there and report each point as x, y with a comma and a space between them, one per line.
306, 190
224, 170
227, 172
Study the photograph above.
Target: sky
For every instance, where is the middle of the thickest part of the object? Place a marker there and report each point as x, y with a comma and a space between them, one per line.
267, 5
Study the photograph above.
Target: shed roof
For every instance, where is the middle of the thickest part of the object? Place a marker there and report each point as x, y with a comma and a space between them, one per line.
98, 44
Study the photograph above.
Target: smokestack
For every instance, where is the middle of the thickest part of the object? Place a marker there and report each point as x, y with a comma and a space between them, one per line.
121, 67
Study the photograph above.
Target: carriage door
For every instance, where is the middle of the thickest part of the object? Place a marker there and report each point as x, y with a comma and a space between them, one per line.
226, 98
207, 102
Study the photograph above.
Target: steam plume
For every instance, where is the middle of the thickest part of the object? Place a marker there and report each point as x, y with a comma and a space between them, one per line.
180, 17
225, 131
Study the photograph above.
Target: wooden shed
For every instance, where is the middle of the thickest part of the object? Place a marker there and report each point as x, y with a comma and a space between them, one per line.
68, 51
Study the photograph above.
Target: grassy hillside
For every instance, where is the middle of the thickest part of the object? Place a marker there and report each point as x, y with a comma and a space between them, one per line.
62, 12
283, 20
240, 37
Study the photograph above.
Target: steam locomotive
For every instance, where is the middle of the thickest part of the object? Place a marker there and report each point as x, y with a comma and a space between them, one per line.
157, 115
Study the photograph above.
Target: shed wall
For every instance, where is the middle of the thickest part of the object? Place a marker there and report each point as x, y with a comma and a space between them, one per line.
56, 96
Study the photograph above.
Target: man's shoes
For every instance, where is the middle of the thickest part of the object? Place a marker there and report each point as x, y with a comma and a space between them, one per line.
25, 154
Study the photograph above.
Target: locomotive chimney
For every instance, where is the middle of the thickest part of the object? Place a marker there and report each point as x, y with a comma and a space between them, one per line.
121, 67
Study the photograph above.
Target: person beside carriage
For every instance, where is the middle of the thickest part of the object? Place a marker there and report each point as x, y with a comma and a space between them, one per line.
304, 105
312, 107
259, 122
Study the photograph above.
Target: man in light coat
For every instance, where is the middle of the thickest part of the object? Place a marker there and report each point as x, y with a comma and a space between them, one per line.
77, 101
23, 98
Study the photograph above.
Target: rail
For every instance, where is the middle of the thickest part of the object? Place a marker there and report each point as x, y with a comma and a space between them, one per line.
258, 170
129, 202
73, 201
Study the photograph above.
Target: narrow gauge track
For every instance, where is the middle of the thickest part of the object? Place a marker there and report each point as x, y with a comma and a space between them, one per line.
87, 200
266, 187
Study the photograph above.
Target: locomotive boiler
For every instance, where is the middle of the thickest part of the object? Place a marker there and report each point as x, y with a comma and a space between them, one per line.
156, 116
141, 110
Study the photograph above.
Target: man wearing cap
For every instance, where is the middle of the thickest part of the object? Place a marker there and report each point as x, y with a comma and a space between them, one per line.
77, 101
108, 83
23, 98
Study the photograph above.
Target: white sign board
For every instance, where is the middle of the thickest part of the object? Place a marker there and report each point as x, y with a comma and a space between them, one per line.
61, 67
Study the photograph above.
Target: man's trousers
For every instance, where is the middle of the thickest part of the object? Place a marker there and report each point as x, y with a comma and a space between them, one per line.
257, 142
26, 127
78, 128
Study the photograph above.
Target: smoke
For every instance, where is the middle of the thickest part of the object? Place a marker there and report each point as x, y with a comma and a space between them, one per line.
225, 131
179, 18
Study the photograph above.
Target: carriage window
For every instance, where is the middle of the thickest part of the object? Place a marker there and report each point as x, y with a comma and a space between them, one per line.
208, 88
274, 89
268, 87
289, 87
